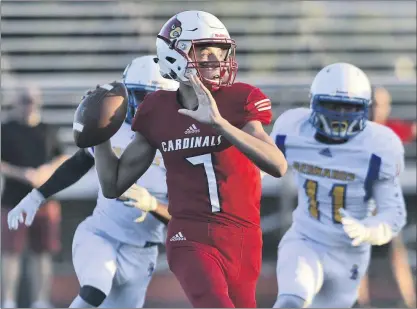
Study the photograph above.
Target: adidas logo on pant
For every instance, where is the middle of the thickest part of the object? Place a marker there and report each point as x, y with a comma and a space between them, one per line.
178, 237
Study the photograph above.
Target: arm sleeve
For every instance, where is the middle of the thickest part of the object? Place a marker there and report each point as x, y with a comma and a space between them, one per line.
390, 205
392, 157
258, 107
386, 190
68, 173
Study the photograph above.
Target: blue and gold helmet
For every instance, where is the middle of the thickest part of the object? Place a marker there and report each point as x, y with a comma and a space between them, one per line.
142, 76
340, 97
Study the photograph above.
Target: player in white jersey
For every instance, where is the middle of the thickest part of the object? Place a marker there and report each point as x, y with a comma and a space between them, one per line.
115, 249
340, 160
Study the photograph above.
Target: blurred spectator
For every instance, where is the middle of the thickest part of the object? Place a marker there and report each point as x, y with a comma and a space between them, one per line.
30, 153
398, 252
381, 110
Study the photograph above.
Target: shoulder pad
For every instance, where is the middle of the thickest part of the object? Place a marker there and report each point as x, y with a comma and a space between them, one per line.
290, 120
387, 145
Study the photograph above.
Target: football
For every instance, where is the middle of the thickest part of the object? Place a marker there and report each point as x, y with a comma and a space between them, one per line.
100, 114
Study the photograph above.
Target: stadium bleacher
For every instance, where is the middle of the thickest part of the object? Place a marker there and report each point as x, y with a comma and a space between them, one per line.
68, 47
50, 40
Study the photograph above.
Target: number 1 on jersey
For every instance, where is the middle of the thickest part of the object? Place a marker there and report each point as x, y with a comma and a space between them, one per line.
206, 160
337, 193
310, 187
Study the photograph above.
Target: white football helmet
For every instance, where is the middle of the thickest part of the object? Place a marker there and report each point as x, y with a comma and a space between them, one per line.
142, 76
340, 97
178, 38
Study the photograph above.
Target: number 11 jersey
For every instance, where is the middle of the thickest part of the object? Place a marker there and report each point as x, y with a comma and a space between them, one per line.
334, 176
208, 178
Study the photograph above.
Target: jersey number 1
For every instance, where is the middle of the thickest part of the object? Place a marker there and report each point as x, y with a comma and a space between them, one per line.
337, 193
206, 160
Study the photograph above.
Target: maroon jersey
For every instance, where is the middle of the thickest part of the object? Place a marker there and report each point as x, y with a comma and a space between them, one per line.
208, 178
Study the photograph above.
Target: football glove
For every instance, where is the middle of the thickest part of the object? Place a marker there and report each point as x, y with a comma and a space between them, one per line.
360, 232
29, 205
140, 198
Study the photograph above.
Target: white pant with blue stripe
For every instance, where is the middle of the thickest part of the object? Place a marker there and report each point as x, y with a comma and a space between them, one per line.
324, 276
121, 271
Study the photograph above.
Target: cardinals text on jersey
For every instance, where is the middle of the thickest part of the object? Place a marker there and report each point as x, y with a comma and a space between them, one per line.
205, 173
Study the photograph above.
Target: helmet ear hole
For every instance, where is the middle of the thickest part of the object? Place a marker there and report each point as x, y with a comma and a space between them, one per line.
171, 60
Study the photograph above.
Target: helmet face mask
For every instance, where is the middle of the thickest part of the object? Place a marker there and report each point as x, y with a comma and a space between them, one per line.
180, 40
340, 97
338, 117
220, 72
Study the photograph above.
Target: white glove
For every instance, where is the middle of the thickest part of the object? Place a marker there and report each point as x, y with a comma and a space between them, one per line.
360, 233
29, 205
140, 198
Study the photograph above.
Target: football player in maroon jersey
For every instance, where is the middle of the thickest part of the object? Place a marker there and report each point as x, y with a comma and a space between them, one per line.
211, 137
